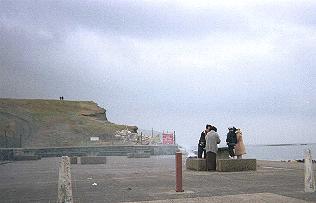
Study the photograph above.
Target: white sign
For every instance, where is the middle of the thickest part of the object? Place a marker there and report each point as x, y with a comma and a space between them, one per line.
94, 138
309, 175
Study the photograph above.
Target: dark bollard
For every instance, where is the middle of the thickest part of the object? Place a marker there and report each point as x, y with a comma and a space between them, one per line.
179, 172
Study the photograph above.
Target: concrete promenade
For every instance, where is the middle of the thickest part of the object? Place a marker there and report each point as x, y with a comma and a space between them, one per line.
29, 181
152, 179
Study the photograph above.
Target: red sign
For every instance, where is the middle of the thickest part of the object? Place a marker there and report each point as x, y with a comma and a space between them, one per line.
167, 138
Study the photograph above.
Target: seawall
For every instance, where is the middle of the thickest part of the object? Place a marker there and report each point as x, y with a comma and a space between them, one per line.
113, 150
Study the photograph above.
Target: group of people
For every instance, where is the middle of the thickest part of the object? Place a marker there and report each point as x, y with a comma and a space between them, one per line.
210, 139
61, 98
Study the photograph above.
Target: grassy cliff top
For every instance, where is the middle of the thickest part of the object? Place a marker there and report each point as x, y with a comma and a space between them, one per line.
47, 123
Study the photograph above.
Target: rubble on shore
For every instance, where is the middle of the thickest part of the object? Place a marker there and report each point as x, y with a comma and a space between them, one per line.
298, 161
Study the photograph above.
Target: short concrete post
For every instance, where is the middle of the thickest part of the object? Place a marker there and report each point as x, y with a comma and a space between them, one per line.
64, 181
309, 175
179, 172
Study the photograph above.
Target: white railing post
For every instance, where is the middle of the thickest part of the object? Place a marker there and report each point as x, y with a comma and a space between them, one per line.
309, 174
64, 181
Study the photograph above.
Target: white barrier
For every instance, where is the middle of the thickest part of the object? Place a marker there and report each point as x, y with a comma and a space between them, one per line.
64, 181
309, 174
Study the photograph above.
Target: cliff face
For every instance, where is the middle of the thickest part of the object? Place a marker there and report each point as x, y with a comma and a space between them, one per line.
99, 114
48, 123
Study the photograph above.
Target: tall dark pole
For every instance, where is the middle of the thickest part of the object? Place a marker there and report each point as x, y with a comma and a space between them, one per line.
141, 138
21, 137
6, 139
20, 140
179, 172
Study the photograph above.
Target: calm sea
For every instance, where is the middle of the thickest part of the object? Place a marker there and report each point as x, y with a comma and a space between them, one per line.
277, 153
287, 152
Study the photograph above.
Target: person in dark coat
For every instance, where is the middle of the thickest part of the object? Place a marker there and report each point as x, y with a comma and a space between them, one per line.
231, 141
202, 142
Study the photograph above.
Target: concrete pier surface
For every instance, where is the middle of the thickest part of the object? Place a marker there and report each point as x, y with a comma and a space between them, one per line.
29, 181
152, 179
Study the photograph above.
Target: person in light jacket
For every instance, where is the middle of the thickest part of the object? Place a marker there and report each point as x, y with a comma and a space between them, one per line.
240, 146
212, 140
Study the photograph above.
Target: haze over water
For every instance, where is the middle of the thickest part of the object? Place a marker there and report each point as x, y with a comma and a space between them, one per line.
276, 153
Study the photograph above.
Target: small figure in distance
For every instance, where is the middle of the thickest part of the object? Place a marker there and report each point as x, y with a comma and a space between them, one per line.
62, 97
240, 146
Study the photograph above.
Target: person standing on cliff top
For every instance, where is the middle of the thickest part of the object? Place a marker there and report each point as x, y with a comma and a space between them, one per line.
202, 142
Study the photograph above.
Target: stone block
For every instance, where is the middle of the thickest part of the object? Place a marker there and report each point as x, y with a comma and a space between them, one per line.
26, 157
93, 159
74, 160
222, 153
6, 154
196, 164
138, 155
232, 165
164, 149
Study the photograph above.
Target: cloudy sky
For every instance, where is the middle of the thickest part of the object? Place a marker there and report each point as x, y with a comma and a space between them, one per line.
173, 65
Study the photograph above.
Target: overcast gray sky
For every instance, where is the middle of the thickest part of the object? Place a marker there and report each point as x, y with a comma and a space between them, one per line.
173, 65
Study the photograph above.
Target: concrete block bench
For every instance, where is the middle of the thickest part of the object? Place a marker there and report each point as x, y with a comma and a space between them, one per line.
232, 165
73, 160
59, 154
6, 154
138, 155
222, 153
112, 153
196, 164
93, 159
26, 157
121, 152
